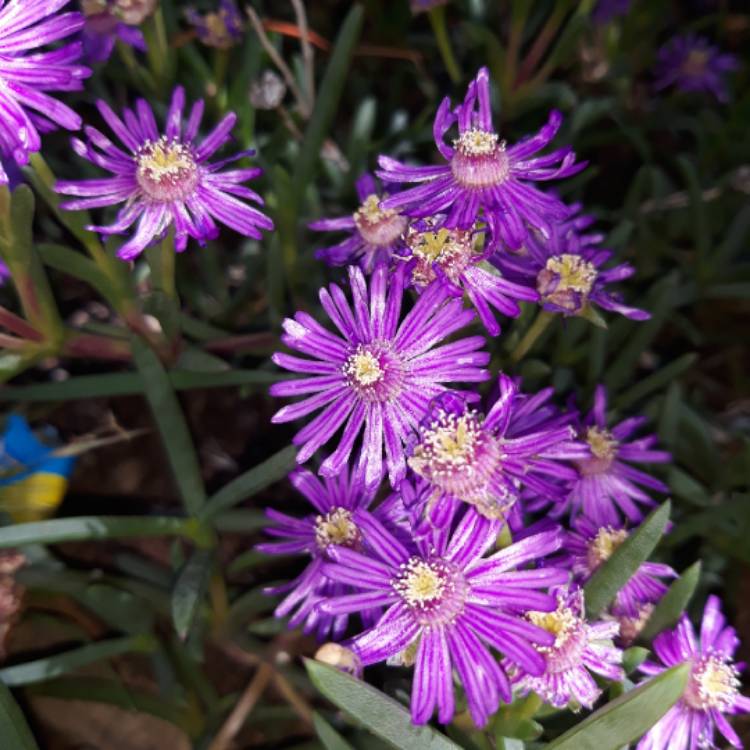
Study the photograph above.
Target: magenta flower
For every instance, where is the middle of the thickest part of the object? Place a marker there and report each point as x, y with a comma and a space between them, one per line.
566, 269
334, 501
454, 258
462, 456
580, 647
104, 26
591, 545
483, 176
712, 691
447, 606
26, 74
607, 484
165, 180
375, 232
374, 372
692, 64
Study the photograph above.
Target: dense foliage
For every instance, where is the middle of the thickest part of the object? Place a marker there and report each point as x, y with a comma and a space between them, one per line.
386, 370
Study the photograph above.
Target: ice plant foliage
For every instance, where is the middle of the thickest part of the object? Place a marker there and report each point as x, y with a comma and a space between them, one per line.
375, 232
377, 371
28, 70
692, 64
713, 689
448, 605
484, 177
165, 179
579, 648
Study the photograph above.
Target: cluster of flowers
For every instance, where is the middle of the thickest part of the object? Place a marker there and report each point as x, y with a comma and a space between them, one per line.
450, 574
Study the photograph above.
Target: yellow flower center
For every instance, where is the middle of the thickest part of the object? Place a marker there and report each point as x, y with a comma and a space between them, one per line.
601, 547
601, 442
695, 63
450, 442
364, 368
713, 683
561, 623
370, 212
575, 274
166, 169
336, 527
476, 142
421, 583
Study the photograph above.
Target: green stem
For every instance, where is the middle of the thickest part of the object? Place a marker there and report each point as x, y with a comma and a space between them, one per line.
437, 20
537, 328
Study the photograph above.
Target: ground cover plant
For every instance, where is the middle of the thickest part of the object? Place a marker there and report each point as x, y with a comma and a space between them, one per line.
374, 376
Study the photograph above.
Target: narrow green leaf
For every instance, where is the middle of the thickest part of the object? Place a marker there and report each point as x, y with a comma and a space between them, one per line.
126, 384
189, 590
40, 670
240, 521
626, 718
88, 528
633, 657
252, 481
13, 727
667, 612
625, 560
382, 715
330, 93
330, 738
76, 264
172, 425
656, 381
102, 690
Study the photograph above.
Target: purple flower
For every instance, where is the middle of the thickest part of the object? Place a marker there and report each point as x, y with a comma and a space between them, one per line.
607, 484
26, 74
454, 258
590, 545
447, 606
222, 28
374, 372
692, 63
565, 268
607, 10
334, 500
422, 6
375, 231
104, 26
483, 175
165, 180
579, 647
461, 455
713, 686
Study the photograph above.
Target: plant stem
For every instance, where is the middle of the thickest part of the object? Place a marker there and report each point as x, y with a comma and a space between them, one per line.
437, 20
537, 328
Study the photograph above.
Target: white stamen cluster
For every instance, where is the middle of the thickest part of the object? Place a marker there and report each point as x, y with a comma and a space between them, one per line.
448, 444
166, 169
601, 442
421, 583
451, 249
378, 226
476, 142
363, 368
601, 547
336, 527
714, 684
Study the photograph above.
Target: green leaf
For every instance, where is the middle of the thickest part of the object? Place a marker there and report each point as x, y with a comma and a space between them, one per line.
656, 381
77, 265
331, 89
667, 612
172, 425
189, 590
633, 657
87, 528
330, 738
382, 715
625, 560
13, 727
40, 670
127, 384
626, 718
252, 481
